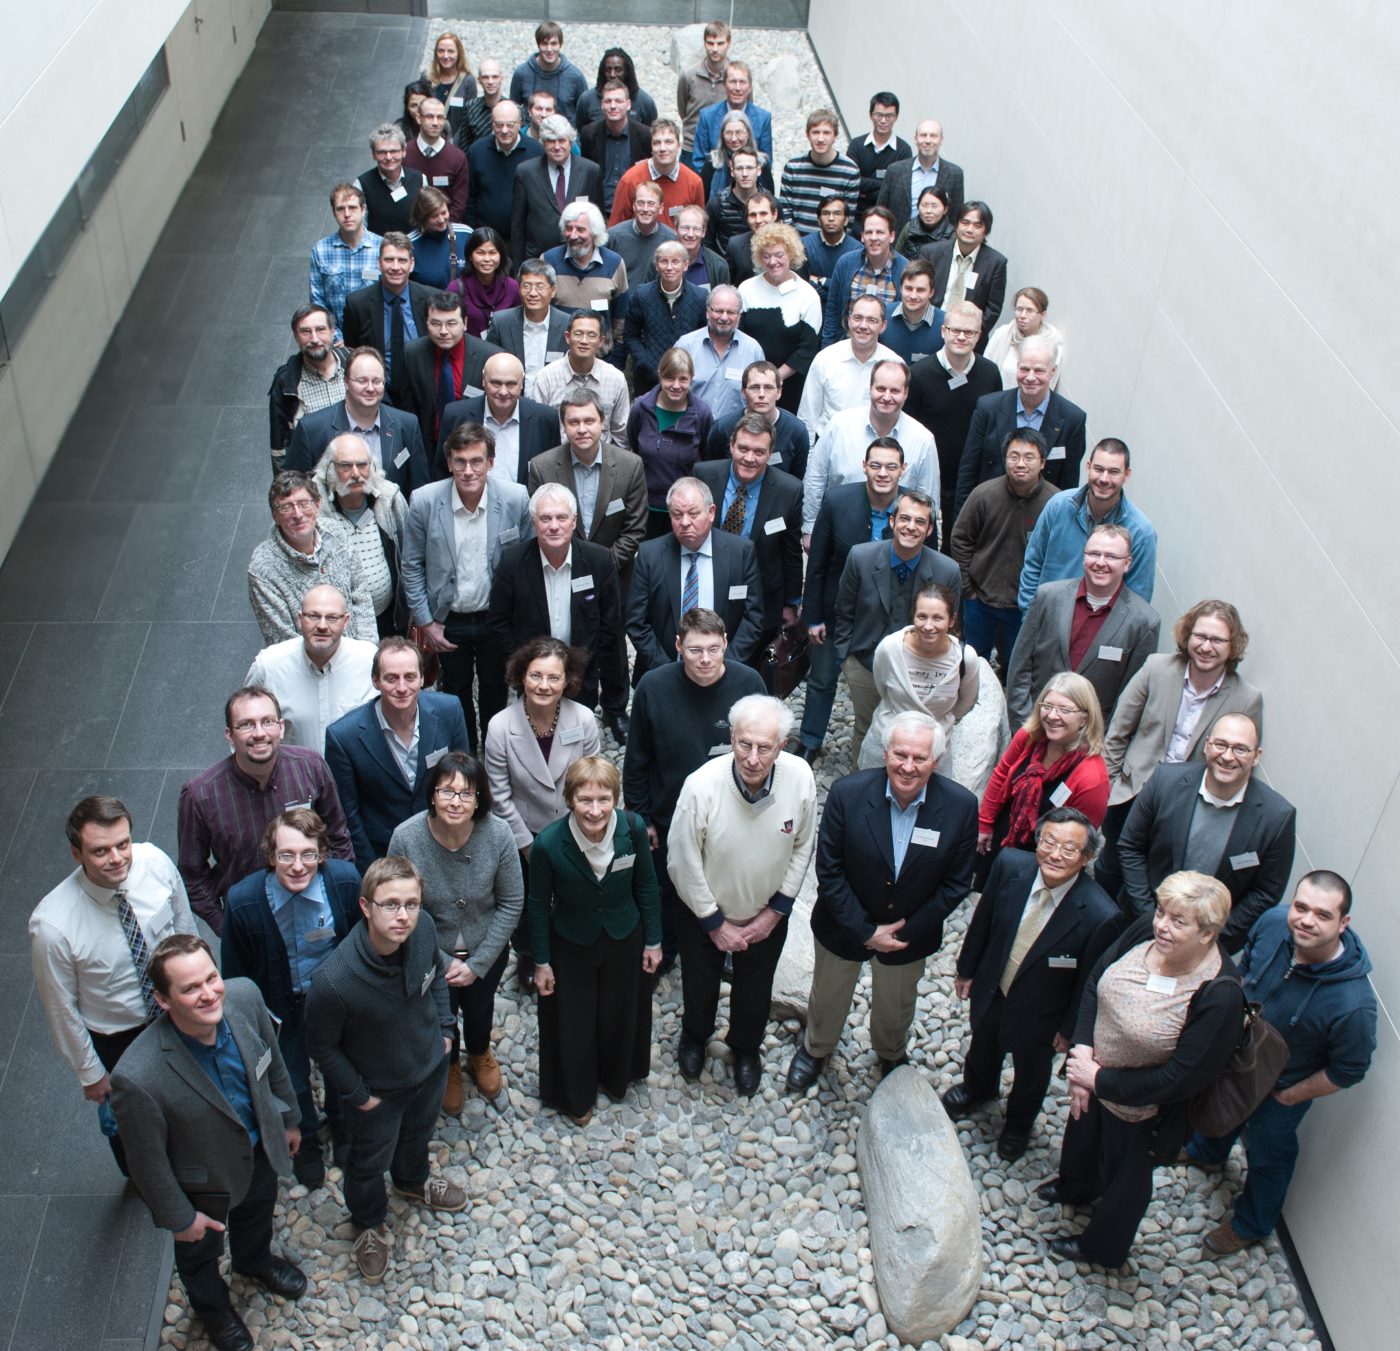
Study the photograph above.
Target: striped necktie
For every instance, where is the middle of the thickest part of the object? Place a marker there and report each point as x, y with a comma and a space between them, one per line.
140, 954
690, 592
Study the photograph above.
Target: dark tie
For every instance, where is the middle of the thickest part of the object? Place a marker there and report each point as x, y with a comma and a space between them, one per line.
902, 571
446, 391
140, 954
396, 339
559, 188
690, 592
734, 518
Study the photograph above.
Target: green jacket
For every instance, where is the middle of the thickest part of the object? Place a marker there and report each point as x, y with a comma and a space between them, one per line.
566, 897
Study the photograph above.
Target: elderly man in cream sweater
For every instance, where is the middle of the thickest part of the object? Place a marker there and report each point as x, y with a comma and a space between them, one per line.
740, 844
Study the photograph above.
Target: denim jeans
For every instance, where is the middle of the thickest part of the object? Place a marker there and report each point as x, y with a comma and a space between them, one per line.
821, 692
980, 625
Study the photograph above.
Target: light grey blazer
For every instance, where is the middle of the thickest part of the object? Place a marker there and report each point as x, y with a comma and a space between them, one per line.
181, 1134
429, 569
527, 791
1042, 648
1142, 724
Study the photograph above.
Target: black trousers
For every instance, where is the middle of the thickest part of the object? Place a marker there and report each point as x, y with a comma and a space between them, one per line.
1108, 871
671, 903
478, 657
1032, 1064
750, 988
1107, 1160
249, 1242
109, 1047
476, 1003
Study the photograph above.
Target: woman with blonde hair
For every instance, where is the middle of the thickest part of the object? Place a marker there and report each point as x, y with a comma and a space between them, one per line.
782, 313
450, 74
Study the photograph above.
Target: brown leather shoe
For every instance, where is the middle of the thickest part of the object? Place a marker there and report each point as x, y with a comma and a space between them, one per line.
1223, 1240
486, 1070
455, 1094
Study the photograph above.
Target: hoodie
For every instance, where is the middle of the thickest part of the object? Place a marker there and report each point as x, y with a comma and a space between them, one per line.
1325, 1012
566, 82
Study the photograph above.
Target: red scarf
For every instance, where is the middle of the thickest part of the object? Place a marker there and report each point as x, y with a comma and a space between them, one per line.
1028, 789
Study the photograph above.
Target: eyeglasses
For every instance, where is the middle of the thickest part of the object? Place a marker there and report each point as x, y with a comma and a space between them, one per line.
961, 332
1209, 640
393, 907
1230, 747
1059, 711
1056, 850
351, 466
307, 856
300, 507
762, 748
456, 794
1102, 556
317, 618
712, 650
257, 725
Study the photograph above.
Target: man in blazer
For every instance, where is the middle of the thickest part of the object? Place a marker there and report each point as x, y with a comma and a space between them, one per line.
1095, 625
522, 427
446, 366
401, 452
449, 560
209, 1119
380, 752
1223, 822
1031, 404
764, 506
538, 287
545, 186
369, 318
897, 192
982, 268
520, 601
695, 565
1040, 925
876, 597
894, 859
615, 125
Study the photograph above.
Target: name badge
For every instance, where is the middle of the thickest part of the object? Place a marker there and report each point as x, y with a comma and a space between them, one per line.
722, 749
398, 192
1110, 654
440, 180
322, 935
924, 836
1056, 453
582, 197
292, 806
581, 583
599, 303
1161, 984
571, 735
740, 592
1060, 796
553, 356
774, 526
401, 458
427, 980
1249, 860
918, 356
1064, 963
456, 101
969, 282
734, 373
431, 760
957, 381
614, 507
624, 863
163, 919
509, 534
879, 173
776, 457
264, 1061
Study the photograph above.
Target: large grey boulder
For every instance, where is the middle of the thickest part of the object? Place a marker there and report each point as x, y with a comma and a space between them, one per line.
792, 981
781, 84
977, 742
925, 1221
687, 47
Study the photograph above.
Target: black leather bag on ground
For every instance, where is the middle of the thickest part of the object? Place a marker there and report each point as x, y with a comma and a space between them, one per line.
788, 657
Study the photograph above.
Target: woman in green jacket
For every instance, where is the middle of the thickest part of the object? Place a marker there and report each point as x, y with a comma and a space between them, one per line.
595, 931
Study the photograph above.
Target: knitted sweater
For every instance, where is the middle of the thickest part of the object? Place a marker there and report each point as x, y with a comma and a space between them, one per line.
279, 576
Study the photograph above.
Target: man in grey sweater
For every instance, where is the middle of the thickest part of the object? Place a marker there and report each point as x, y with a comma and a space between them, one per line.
378, 1014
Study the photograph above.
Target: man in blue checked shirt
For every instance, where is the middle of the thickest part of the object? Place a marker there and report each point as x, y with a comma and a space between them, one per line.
347, 260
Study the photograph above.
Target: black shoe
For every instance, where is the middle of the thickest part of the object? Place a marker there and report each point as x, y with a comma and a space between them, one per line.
617, 724
888, 1067
1012, 1144
309, 1163
958, 1102
524, 975
748, 1072
803, 1071
281, 1277
227, 1331
1067, 1246
811, 754
1050, 1191
690, 1056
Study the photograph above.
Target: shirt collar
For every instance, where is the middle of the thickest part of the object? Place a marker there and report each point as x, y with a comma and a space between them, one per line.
926, 320
1037, 411
566, 566
383, 722
1057, 894
734, 480
706, 547
674, 175
429, 150
917, 802
1208, 796
1191, 689
753, 799
492, 420
222, 1037
579, 464
278, 895
458, 506
104, 896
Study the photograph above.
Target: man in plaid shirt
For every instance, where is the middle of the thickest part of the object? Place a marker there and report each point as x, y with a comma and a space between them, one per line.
347, 260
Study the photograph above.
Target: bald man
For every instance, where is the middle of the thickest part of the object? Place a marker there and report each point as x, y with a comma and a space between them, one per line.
522, 427
905, 179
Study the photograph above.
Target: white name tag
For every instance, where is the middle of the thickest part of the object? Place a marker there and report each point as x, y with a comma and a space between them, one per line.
427, 980
553, 356
456, 101
734, 374
1060, 796
398, 192
571, 735
776, 457
509, 534
431, 760
621, 865
1249, 860
163, 919
1064, 963
581, 583
614, 507
440, 180
1161, 984
924, 836
582, 197
970, 281
263, 1062
879, 173
957, 381
599, 303
1056, 453
740, 592
401, 458
321, 935
292, 806
774, 526
1110, 653
918, 356
722, 749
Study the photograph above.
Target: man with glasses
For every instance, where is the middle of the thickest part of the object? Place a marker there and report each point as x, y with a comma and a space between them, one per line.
1040, 925
721, 354
532, 331
1222, 821
874, 154
224, 811
280, 925
304, 549
311, 379
491, 165
1091, 624
389, 187
379, 1024
739, 846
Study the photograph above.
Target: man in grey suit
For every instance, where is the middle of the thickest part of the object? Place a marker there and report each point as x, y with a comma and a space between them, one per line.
209, 1119
452, 544
878, 586
1094, 625
900, 190
533, 331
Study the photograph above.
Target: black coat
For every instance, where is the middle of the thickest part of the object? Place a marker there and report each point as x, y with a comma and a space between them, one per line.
994, 419
363, 323
843, 521
539, 431
419, 393
398, 432
534, 211
989, 291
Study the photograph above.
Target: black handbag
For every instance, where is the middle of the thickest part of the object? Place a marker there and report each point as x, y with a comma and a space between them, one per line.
1245, 1082
787, 658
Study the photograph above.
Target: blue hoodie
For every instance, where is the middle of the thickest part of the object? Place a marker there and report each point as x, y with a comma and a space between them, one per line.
566, 82
1325, 1012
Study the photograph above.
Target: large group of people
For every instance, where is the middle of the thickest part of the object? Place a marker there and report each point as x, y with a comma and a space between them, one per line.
574, 382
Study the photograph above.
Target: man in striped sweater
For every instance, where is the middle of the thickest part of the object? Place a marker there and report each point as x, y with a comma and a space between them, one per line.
822, 172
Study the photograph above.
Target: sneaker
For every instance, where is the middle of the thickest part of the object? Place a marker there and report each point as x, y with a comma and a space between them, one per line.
455, 1094
437, 1194
486, 1070
371, 1254
1223, 1240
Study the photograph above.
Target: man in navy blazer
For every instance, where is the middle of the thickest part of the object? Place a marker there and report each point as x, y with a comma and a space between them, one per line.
1040, 926
985, 269
727, 581
380, 753
895, 855
536, 200
502, 407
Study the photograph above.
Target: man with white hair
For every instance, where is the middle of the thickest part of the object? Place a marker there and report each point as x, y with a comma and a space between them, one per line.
587, 275
739, 846
895, 857
545, 186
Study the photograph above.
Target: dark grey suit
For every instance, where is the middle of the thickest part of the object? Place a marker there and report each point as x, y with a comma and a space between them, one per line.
994, 418
507, 331
989, 291
534, 209
896, 187
539, 429
1042, 648
863, 605
398, 433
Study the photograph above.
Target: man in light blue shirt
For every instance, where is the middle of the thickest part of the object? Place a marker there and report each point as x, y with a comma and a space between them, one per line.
720, 353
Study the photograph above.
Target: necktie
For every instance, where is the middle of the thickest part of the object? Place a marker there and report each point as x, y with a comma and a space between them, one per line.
734, 518
1037, 913
446, 390
957, 283
560, 188
690, 592
395, 338
902, 570
140, 954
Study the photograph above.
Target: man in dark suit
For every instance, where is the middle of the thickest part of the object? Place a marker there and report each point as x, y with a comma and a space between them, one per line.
851, 514
876, 597
894, 859
545, 186
1040, 925
380, 752
897, 190
693, 565
1223, 822
761, 387
389, 313
1031, 404
532, 331
567, 588
389, 187
762, 505
1094, 625
616, 141
522, 427
738, 252
208, 1117
966, 267
364, 412
447, 365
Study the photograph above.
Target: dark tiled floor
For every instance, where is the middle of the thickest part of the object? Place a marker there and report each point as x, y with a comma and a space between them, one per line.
124, 616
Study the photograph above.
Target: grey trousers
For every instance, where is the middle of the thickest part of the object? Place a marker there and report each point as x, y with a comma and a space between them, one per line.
894, 991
